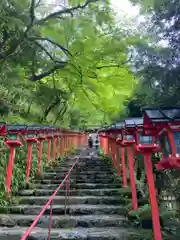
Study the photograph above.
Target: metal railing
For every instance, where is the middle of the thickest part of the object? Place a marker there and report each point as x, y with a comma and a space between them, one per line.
65, 182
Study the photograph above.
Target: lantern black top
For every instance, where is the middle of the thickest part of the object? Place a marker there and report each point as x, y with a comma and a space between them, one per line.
115, 127
119, 125
111, 127
133, 122
101, 130
162, 114
33, 128
16, 128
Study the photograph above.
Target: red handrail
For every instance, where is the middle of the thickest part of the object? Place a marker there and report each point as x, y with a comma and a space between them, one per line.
49, 203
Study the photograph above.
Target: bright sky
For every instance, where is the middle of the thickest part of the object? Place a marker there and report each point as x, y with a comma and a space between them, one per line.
124, 7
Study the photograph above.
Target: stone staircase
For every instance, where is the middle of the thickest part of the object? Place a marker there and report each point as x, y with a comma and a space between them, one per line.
95, 210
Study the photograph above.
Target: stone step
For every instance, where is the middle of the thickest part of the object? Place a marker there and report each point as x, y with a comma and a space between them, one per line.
78, 176
66, 221
79, 192
77, 186
77, 209
85, 161
42, 200
75, 172
76, 181
83, 168
92, 165
108, 233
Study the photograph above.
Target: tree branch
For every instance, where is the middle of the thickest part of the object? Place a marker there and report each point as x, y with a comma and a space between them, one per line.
32, 16
61, 113
47, 53
38, 4
87, 95
115, 65
32, 8
36, 78
45, 50
66, 11
108, 66
65, 50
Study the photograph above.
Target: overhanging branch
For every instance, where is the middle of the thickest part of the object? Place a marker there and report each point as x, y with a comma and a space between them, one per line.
115, 65
32, 8
31, 16
66, 11
65, 50
36, 78
45, 50
87, 95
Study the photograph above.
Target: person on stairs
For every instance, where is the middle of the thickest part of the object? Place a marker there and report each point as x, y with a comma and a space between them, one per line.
90, 141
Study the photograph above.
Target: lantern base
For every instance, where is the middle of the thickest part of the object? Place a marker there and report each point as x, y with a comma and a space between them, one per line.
13, 144
141, 149
31, 140
41, 139
168, 163
49, 137
127, 143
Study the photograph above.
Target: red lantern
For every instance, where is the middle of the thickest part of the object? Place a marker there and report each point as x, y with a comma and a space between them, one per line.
128, 141
162, 122
144, 142
31, 138
128, 133
41, 136
15, 133
119, 140
14, 140
103, 140
55, 137
111, 133
118, 129
49, 136
3, 129
165, 122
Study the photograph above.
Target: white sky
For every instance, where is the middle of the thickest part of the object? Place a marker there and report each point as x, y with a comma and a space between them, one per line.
124, 7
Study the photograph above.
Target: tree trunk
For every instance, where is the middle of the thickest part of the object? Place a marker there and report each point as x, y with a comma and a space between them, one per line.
49, 108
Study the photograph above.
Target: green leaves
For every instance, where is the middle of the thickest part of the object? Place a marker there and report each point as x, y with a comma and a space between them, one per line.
94, 79
76, 2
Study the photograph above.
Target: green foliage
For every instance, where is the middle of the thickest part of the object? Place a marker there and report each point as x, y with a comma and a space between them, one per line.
141, 235
79, 71
143, 213
19, 170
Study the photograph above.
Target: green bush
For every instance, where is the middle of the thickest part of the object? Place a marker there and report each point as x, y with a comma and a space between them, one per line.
19, 170
143, 213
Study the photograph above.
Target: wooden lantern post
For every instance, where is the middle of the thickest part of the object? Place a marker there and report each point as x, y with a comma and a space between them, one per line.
31, 138
13, 141
165, 124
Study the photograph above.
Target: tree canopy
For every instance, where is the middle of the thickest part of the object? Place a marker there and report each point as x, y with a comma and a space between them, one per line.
65, 63
157, 60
